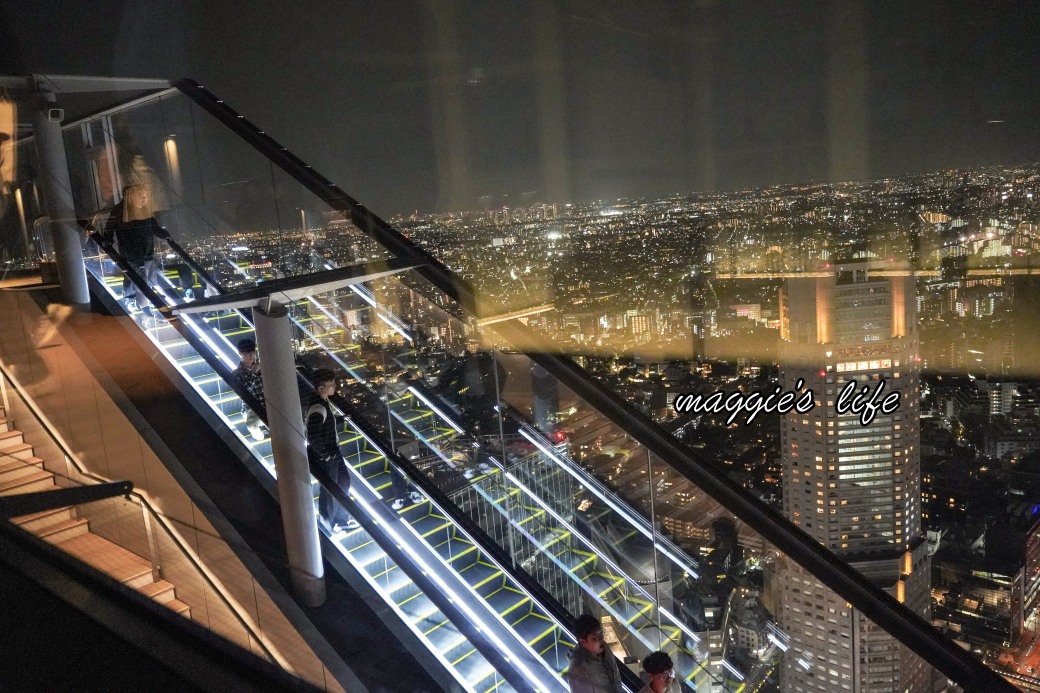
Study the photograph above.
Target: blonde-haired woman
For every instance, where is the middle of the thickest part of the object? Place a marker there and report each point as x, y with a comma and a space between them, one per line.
133, 228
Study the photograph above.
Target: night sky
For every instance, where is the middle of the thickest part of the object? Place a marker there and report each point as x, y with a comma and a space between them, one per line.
475, 104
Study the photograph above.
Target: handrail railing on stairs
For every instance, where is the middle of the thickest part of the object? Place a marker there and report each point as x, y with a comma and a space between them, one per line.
151, 514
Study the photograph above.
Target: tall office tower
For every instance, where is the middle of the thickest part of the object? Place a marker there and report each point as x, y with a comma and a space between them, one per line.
855, 488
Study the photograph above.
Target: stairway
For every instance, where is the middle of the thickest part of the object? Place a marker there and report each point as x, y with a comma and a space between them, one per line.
22, 472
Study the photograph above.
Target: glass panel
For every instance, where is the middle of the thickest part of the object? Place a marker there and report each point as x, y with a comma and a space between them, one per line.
575, 502
239, 217
721, 595
26, 238
569, 497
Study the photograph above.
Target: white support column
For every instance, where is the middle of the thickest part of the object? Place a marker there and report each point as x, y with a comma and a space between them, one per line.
289, 444
57, 190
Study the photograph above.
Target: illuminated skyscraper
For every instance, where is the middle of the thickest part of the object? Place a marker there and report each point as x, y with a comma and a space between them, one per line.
855, 488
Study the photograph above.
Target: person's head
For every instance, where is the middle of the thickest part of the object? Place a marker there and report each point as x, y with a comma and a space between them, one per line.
660, 668
589, 633
247, 352
137, 202
324, 382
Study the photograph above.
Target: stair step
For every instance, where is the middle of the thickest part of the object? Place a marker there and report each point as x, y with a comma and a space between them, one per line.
160, 590
112, 559
5, 423
20, 451
62, 530
16, 468
178, 607
37, 481
9, 438
34, 521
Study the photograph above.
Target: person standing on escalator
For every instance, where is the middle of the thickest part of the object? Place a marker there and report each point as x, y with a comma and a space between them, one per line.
132, 228
593, 667
659, 674
248, 376
323, 451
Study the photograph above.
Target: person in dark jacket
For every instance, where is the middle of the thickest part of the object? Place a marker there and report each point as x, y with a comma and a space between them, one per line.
323, 451
248, 376
133, 228
593, 668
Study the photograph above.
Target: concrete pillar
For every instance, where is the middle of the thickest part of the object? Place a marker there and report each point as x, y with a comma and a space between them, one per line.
289, 445
57, 191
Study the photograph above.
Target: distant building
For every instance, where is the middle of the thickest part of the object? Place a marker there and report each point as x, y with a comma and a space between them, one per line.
853, 487
749, 621
1031, 571
982, 594
1001, 442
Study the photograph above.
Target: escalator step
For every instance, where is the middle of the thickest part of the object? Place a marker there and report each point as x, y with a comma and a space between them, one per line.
481, 574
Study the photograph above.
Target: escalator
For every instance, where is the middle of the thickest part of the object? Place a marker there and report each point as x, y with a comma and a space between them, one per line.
214, 334
525, 498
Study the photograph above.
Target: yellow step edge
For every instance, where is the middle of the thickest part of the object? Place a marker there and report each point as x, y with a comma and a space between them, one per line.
526, 601
641, 612
436, 529
457, 661
618, 582
472, 547
548, 630
418, 594
488, 579
442, 623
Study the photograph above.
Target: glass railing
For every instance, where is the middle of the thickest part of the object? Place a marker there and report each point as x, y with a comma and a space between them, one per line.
445, 414
582, 494
29, 241
241, 218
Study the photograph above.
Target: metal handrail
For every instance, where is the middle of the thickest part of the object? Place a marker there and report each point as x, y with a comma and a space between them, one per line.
6, 376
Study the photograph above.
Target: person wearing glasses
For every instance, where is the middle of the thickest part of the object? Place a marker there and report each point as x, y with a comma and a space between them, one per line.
658, 667
593, 667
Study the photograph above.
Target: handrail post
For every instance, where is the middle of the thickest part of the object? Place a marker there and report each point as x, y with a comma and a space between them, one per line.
3, 395
153, 544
